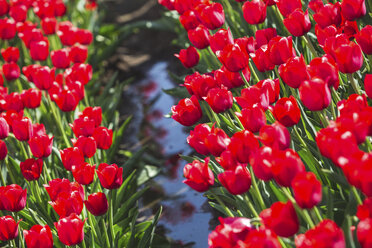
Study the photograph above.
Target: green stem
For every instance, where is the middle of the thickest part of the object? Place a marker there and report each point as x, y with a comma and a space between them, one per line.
111, 218
253, 72
310, 45
106, 234
236, 118
317, 213
244, 79
251, 207
354, 84
2, 178
227, 210
257, 190
58, 121
12, 177
357, 196
94, 234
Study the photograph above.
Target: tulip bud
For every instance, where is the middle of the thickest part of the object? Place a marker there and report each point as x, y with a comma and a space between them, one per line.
4, 128
38, 237
236, 181
189, 57
199, 37
49, 25
198, 175
189, 20
220, 39
60, 58
276, 136
43, 77
187, 112
11, 54
67, 100
349, 57
242, 145
315, 94
287, 112
11, 71
281, 218
31, 169
211, 15
71, 156
353, 9
13, 198
216, 141
368, 85
197, 138
103, 137
3, 150
364, 39
271, 87
64, 227
41, 146
31, 98
22, 129
87, 146
8, 228
281, 49
298, 23
233, 58
261, 162
325, 68
110, 176
307, 190
254, 12
39, 50
286, 7
83, 173
252, 118
220, 100
294, 71
97, 204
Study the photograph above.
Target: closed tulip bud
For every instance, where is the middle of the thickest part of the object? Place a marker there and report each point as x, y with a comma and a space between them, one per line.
364, 232
39, 50
14, 102
41, 146
18, 12
97, 204
228, 161
286, 166
8, 228
7, 29
261, 162
187, 112
294, 72
31, 98
216, 141
103, 137
349, 57
329, 14
325, 234
286, 7
4, 7
93, 113
199, 37
11, 71
49, 25
298, 23
261, 58
4, 128
60, 58
254, 12
83, 173
78, 54
272, 87
315, 94
246, 44
10, 54
67, 100
84, 37
13, 198
31, 169
71, 156
3, 150
220, 39
281, 49
252, 118
199, 85
189, 20
364, 39
87, 145
211, 15
67, 204
38, 237
237, 181
220, 100
233, 58
197, 138
368, 85
254, 96
198, 175
325, 68
263, 36
110, 175
307, 190
276, 136
323, 34
242, 145
63, 186
189, 57
353, 9
22, 129
228, 79
281, 218
64, 227
83, 126
43, 77
287, 112
79, 72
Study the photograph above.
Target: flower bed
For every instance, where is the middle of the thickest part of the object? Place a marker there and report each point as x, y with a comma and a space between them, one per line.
280, 113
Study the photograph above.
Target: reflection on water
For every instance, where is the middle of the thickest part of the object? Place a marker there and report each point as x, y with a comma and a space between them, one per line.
186, 216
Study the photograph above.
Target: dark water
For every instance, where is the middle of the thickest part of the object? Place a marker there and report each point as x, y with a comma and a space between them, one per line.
186, 214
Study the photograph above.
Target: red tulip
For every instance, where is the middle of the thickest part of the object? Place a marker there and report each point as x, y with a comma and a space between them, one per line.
271, 87
364, 232
368, 85
87, 146
11, 71
189, 20
261, 58
7, 29
307, 190
64, 227
233, 58
8, 228
79, 72
83, 126
281, 218
325, 234
31, 98
49, 25
14, 102
199, 85
31, 169
263, 36
97, 204
211, 15
364, 39
261, 162
286, 166
10, 54
315, 94
189, 57
39, 50
84, 37
242, 145
3, 150
219, 100
41, 146
4, 7
294, 71
67, 204
329, 14
60, 58
71, 156
220, 39
254, 12
93, 113
323, 34
262, 238
353, 9
287, 112
199, 37
237, 181
103, 137
67, 100
110, 176
252, 118
4, 128
187, 112
254, 96
38, 237
325, 68
63, 186
78, 54
43, 77
228, 79
83, 173
18, 12
22, 129
286, 7
197, 138
216, 141
247, 45
198, 175
13, 198
281, 49
298, 23
228, 161
276, 136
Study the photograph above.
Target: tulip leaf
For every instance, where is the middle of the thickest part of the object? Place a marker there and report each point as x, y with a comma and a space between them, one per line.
148, 236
